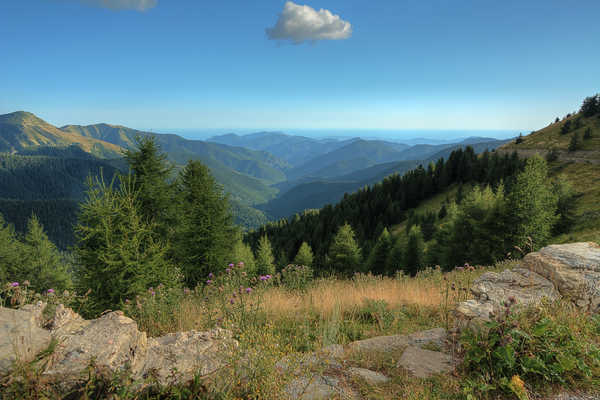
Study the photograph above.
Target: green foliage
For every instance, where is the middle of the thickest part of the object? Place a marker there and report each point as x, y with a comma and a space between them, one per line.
265, 262
204, 238
304, 256
566, 127
42, 263
242, 252
377, 262
296, 277
474, 231
344, 253
414, 256
395, 260
590, 106
519, 140
575, 142
587, 134
565, 205
531, 205
154, 192
118, 251
34, 259
538, 346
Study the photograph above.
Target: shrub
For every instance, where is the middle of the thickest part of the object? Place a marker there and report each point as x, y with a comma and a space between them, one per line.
552, 155
534, 347
296, 277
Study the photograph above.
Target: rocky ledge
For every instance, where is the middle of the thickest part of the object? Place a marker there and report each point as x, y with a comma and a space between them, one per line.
568, 271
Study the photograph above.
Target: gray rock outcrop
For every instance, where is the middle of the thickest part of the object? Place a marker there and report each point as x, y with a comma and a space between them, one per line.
423, 363
112, 342
570, 271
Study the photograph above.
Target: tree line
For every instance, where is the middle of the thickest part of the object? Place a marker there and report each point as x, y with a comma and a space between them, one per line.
373, 208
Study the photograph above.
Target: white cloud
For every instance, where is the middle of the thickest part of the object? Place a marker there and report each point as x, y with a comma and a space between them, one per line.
303, 23
139, 5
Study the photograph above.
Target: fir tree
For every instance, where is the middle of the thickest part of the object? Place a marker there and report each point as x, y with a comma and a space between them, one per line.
265, 262
575, 142
344, 254
377, 263
588, 133
531, 205
304, 256
118, 251
414, 256
395, 260
11, 251
242, 252
43, 266
565, 206
155, 193
204, 239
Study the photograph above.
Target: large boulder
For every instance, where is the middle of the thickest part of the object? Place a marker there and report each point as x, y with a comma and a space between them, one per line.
574, 269
571, 271
21, 337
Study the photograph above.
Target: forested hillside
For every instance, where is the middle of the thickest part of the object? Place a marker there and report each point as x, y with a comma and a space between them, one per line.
373, 208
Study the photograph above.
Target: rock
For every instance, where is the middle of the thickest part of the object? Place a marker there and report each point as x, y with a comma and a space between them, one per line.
189, 353
371, 377
318, 387
424, 363
334, 350
574, 269
492, 290
21, 337
112, 341
397, 342
299, 363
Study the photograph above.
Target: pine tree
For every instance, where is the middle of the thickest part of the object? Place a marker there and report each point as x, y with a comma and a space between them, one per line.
265, 262
377, 263
575, 142
395, 260
531, 205
43, 266
304, 256
565, 205
155, 193
344, 254
588, 133
118, 251
11, 251
519, 139
566, 128
414, 256
242, 252
204, 239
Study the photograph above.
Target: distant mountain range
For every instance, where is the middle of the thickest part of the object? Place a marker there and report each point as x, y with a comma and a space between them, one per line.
265, 173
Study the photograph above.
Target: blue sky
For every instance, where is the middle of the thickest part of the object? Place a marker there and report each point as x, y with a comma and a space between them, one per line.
397, 64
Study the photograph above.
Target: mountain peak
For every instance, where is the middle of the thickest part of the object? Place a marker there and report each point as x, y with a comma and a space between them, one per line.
21, 117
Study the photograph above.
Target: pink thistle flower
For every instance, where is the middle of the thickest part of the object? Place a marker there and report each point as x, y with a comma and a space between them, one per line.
50, 291
14, 284
248, 290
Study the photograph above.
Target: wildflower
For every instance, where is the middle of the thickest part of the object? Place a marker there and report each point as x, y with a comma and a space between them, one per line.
127, 301
241, 264
14, 284
153, 293
268, 276
50, 291
210, 275
228, 270
263, 278
231, 301
231, 265
248, 290
208, 282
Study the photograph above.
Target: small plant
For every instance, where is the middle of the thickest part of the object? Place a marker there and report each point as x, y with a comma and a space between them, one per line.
552, 155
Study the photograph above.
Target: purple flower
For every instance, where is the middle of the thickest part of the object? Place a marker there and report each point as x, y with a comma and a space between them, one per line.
231, 265
127, 301
228, 270
232, 301
211, 275
14, 284
208, 282
263, 278
153, 293
241, 264
268, 276
248, 290
50, 291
